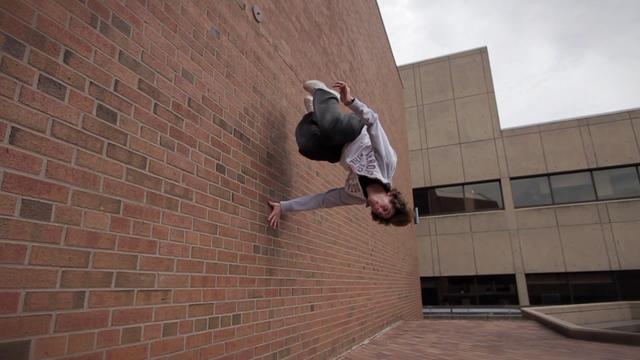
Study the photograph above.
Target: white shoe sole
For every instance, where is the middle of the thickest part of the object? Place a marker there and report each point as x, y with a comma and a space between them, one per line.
308, 103
312, 85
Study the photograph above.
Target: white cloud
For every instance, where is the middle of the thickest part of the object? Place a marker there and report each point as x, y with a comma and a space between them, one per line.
550, 59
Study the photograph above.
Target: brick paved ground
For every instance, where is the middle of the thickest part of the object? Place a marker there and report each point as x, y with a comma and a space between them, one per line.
478, 339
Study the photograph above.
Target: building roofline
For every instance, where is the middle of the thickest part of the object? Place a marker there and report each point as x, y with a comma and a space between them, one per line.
484, 49
447, 56
582, 117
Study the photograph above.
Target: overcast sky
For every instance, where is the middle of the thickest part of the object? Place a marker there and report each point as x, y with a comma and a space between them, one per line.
550, 59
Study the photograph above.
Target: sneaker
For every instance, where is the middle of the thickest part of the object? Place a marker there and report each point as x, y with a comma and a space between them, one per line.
312, 85
308, 103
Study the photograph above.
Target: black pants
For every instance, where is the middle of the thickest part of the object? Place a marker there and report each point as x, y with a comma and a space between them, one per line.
322, 134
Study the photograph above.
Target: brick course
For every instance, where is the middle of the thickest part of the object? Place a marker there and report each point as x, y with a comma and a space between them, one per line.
139, 143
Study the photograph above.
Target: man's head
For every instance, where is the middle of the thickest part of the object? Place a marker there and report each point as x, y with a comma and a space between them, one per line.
390, 208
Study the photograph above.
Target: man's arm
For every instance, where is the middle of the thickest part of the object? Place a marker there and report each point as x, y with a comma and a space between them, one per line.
328, 199
331, 198
378, 137
377, 134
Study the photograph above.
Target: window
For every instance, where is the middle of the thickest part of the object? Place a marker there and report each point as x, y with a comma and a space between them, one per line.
460, 290
429, 291
544, 289
570, 188
583, 287
458, 198
445, 200
629, 284
484, 196
548, 289
470, 290
531, 191
420, 200
592, 287
497, 290
617, 183
575, 187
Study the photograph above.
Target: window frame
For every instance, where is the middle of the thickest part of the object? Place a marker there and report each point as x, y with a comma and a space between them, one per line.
501, 197
589, 174
571, 279
593, 184
463, 185
595, 187
440, 287
434, 189
532, 177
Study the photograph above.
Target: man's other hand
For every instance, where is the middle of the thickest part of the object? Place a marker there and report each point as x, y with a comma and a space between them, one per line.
276, 212
345, 92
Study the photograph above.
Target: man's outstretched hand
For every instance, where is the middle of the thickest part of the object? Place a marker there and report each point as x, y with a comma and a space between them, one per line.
276, 212
345, 92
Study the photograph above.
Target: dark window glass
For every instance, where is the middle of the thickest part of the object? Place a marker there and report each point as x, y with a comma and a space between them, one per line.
445, 200
497, 290
568, 188
430, 294
617, 183
629, 284
460, 285
548, 289
469, 290
531, 191
592, 287
584, 287
420, 201
460, 290
483, 196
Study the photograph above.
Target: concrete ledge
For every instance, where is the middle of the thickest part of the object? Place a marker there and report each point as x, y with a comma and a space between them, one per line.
621, 312
471, 313
472, 317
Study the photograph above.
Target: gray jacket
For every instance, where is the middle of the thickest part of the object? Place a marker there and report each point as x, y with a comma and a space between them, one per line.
370, 154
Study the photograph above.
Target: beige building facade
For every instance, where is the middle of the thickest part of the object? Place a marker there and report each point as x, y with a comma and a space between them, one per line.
542, 214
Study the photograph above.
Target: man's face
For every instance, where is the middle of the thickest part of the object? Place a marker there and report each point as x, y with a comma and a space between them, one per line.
381, 205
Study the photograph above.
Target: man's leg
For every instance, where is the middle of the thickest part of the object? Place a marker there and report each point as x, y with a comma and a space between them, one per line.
335, 127
312, 144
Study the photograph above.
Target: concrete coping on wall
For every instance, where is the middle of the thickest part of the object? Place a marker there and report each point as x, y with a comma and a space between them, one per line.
470, 310
613, 322
471, 313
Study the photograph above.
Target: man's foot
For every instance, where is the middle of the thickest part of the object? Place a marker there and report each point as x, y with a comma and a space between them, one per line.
312, 85
308, 103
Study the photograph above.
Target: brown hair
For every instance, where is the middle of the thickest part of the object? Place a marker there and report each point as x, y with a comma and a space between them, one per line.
403, 214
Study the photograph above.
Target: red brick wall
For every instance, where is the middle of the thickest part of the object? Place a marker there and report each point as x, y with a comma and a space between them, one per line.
140, 140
